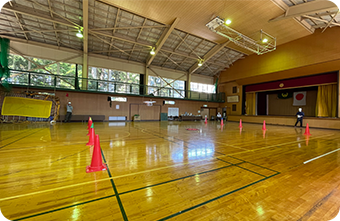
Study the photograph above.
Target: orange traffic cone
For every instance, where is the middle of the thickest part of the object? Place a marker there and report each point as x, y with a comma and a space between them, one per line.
240, 124
307, 130
91, 139
89, 123
264, 125
96, 163
221, 122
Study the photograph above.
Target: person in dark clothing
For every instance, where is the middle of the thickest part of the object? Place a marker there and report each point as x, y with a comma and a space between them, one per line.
299, 116
69, 112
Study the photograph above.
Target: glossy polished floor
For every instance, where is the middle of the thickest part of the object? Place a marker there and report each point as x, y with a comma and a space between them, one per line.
162, 171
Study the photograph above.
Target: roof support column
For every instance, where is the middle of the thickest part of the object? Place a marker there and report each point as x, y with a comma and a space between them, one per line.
146, 81
85, 43
187, 85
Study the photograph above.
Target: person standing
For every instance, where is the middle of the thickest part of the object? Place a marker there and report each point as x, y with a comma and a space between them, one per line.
299, 116
69, 112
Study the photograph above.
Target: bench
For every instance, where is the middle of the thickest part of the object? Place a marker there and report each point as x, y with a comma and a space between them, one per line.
83, 118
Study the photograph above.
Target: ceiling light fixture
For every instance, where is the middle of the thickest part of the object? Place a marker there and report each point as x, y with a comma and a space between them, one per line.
152, 52
228, 22
79, 34
200, 63
265, 40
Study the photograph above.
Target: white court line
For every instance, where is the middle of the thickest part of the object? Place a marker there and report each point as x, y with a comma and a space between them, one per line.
320, 156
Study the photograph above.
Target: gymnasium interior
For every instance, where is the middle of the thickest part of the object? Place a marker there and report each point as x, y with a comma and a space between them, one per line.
170, 110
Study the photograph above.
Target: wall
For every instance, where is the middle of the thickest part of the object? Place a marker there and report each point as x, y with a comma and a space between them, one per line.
284, 107
96, 104
227, 88
314, 54
317, 53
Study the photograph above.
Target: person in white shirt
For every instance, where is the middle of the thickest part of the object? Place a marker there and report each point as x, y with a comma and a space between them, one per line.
219, 116
69, 112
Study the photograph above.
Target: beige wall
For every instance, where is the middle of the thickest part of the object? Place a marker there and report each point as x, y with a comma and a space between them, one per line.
284, 107
97, 104
314, 54
227, 88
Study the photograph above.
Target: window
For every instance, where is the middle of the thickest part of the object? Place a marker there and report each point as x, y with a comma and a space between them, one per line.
206, 88
169, 102
233, 107
173, 111
234, 90
119, 99
158, 87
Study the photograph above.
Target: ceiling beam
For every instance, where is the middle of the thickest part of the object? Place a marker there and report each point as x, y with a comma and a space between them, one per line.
37, 14
54, 26
320, 19
305, 9
161, 41
208, 55
18, 19
281, 4
128, 27
330, 22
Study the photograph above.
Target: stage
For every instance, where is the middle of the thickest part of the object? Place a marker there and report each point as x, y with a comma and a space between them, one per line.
325, 123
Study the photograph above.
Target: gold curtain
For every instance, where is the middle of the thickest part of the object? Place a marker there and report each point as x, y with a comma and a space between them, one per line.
326, 101
250, 103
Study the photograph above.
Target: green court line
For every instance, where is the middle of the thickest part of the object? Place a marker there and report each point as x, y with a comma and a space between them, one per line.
20, 138
176, 142
216, 198
12, 136
66, 207
255, 164
244, 168
158, 184
62, 158
181, 178
122, 210
169, 181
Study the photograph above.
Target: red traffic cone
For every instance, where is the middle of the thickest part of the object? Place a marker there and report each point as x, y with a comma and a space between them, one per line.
88, 134
91, 139
222, 122
264, 125
240, 124
206, 120
307, 130
96, 163
89, 123
307, 140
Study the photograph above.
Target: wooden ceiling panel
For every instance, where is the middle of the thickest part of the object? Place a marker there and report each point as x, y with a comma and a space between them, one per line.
248, 17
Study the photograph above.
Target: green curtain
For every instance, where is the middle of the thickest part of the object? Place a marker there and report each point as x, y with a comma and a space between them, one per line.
326, 101
4, 71
250, 103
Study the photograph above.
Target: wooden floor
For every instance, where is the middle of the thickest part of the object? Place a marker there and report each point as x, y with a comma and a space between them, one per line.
162, 171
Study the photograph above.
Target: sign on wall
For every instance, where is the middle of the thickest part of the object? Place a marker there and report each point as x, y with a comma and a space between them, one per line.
233, 99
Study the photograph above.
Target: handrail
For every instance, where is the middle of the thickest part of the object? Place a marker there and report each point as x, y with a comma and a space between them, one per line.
115, 87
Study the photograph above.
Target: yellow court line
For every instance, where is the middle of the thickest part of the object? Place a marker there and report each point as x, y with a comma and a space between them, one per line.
230, 145
100, 180
280, 144
141, 172
264, 140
